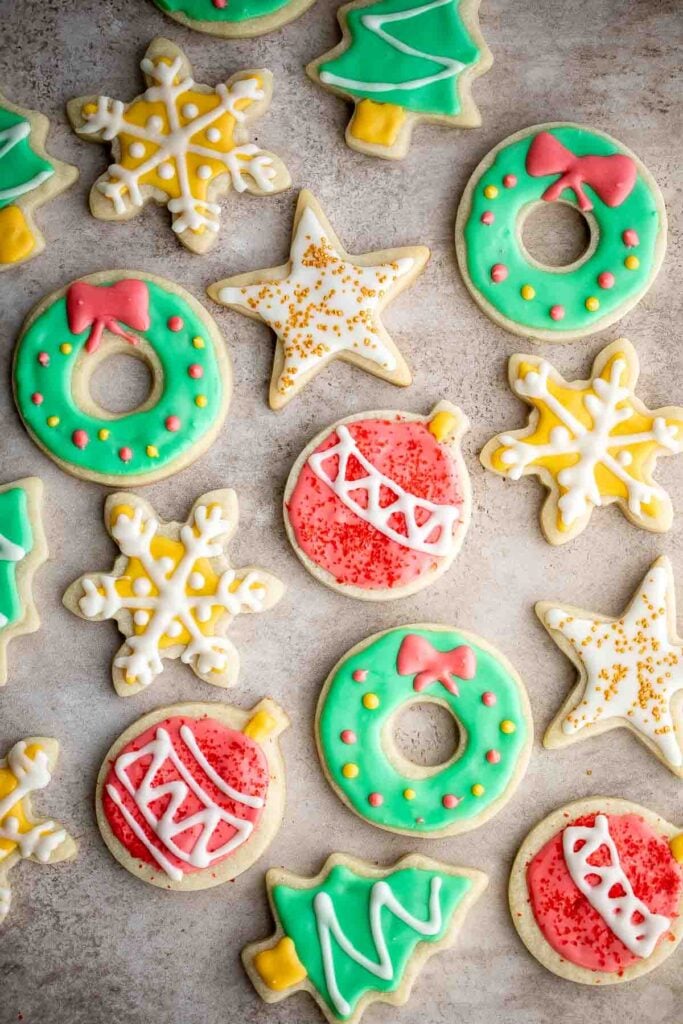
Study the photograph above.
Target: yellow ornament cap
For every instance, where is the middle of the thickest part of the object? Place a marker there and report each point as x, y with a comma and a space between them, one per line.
279, 968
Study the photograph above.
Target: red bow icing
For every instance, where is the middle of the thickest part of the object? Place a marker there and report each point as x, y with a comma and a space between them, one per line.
418, 657
611, 177
100, 306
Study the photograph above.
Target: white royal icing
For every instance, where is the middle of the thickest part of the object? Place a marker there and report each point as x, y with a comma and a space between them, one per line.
31, 773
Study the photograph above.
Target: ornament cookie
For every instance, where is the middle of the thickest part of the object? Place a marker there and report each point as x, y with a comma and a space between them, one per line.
28, 767
377, 506
401, 62
22, 550
357, 934
324, 304
72, 331
413, 665
596, 891
181, 144
630, 669
29, 177
172, 591
223, 771
594, 174
591, 442
234, 18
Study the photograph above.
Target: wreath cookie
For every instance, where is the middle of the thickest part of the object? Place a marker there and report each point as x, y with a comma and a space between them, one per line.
223, 771
596, 891
358, 934
29, 177
181, 144
234, 18
415, 664
72, 331
377, 505
591, 172
402, 62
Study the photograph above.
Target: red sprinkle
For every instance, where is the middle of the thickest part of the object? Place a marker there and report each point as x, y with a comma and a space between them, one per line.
630, 238
606, 279
375, 799
498, 272
43, 359
360, 675
489, 699
195, 371
510, 181
37, 398
80, 438
173, 423
488, 217
557, 312
125, 454
175, 323
348, 736
493, 756
450, 801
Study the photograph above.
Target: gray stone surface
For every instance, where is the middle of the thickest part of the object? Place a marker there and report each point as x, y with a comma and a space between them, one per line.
86, 943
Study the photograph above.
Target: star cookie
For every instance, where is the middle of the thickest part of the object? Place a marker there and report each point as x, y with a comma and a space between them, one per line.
591, 442
324, 304
630, 669
181, 144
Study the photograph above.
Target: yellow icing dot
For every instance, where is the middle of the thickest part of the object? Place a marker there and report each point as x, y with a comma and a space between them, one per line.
103, 434
507, 726
260, 726
198, 342
371, 701
631, 262
592, 303
130, 679
676, 845
490, 191
152, 451
442, 425
65, 348
377, 123
16, 238
89, 108
409, 794
53, 421
350, 770
279, 968
201, 401
528, 292
478, 789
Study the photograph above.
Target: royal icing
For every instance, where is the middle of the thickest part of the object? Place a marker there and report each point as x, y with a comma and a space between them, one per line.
177, 340
223, 10
172, 591
16, 541
592, 172
21, 170
404, 665
593, 442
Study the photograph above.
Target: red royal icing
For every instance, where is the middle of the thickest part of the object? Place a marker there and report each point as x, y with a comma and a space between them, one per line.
611, 177
417, 657
233, 756
103, 306
351, 550
570, 924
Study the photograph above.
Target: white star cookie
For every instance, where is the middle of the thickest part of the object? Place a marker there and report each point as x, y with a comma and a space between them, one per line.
630, 669
324, 304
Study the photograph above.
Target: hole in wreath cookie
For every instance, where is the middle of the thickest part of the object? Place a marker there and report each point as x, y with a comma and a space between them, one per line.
555, 236
422, 737
117, 379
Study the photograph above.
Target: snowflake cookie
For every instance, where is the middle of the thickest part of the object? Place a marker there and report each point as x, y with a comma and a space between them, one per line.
591, 442
630, 669
27, 768
172, 591
181, 144
324, 304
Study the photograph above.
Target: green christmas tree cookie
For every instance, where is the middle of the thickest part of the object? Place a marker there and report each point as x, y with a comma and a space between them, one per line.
357, 934
402, 61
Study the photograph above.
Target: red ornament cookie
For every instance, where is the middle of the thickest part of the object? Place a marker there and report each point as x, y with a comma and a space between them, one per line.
191, 795
377, 505
596, 891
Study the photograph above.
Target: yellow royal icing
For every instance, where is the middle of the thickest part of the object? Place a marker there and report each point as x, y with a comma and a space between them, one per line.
442, 425
676, 845
260, 726
280, 968
377, 123
16, 238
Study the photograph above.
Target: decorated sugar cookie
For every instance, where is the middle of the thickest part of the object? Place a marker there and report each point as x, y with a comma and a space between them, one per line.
377, 506
172, 591
416, 664
591, 442
72, 331
191, 795
234, 18
401, 62
630, 669
324, 304
596, 891
29, 177
596, 175
27, 768
357, 934
181, 144
22, 550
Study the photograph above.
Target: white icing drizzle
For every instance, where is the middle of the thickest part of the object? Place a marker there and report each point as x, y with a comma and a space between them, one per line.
9, 551
9, 137
31, 773
374, 23
441, 517
5, 901
616, 911
165, 827
381, 897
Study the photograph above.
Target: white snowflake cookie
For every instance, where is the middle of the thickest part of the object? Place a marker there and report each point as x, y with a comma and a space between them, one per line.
180, 144
172, 591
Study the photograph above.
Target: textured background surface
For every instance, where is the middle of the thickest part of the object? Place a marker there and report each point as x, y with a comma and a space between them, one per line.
86, 942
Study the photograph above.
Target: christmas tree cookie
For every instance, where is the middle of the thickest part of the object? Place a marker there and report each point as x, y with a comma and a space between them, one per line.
357, 934
28, 178
181, 144
403, 61
234, 18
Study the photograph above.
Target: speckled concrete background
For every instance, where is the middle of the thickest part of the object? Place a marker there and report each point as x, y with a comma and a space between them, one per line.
86, 943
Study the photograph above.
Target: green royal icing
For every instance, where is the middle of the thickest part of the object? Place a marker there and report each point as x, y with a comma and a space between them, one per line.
343, 709
21, 170
16, 541
350, 894
425, 82
137, 430
487, 245
234, 10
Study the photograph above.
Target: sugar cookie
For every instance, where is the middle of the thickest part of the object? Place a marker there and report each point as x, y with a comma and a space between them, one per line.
234, 18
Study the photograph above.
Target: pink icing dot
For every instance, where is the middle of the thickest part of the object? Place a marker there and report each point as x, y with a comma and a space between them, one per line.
173, 423
80, 438
195, 371
43, 359
37, 398
375, 799
630, 237
606, 279
348, 736
510, 181
125, 454
220, 4
557, 312
489, 699
493, 756
360, 675
175, 323
488, 217
450, 801
498, 272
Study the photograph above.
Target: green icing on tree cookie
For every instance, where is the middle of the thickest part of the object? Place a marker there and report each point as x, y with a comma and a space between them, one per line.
21, 170
16, 540
233, 10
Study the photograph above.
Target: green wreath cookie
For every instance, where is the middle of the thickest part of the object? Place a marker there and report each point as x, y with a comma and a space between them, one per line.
427, 663
234, 18
72, 331
591, 172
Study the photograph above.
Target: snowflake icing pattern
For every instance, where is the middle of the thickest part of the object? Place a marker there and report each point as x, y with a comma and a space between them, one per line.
180, 143
172, 591
592, 442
